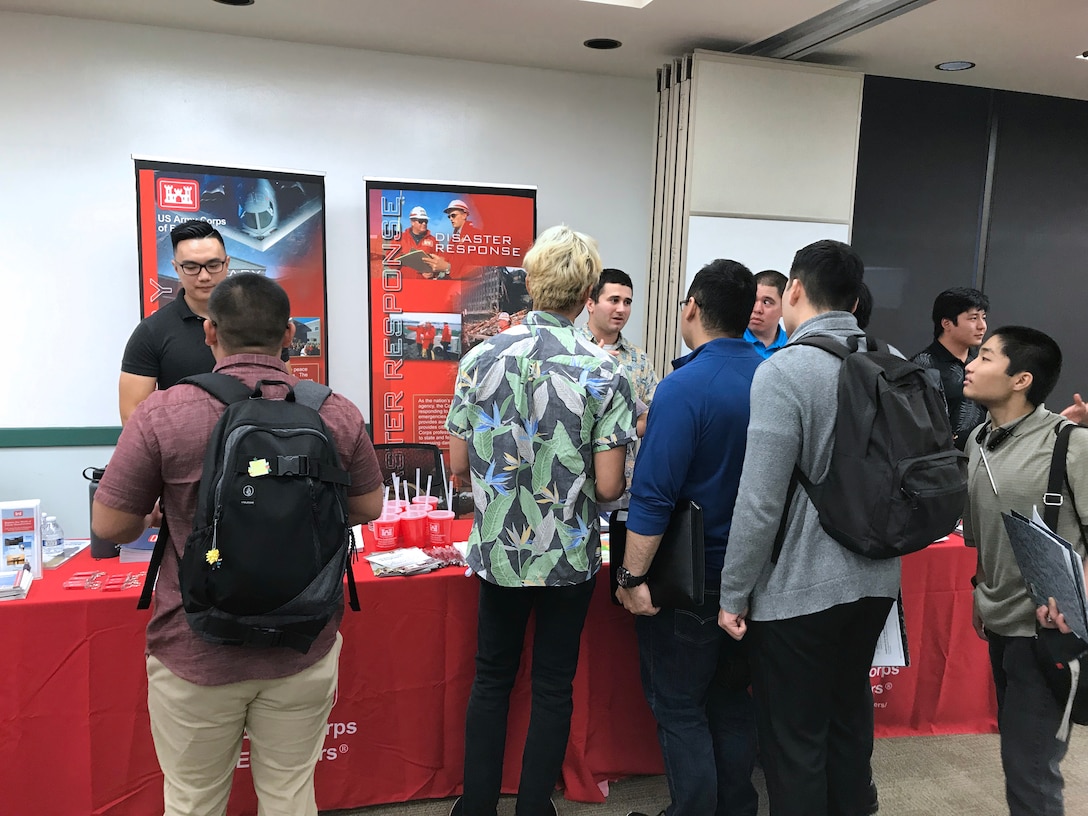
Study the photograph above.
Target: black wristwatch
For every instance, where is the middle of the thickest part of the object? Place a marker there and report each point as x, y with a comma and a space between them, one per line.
628, 581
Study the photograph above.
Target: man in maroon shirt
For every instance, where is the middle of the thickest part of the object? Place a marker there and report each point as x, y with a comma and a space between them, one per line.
203, 696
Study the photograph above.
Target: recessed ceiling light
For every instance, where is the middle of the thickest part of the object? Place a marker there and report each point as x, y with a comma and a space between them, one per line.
629, 3
602, 43
955, 65
236, 2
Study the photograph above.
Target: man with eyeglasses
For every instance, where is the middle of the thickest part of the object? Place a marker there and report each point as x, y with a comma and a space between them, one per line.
169, 345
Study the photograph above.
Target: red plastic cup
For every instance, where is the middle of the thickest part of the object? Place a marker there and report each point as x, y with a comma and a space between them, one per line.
439, 527
387, 532
426, 502
413, 528
394, 507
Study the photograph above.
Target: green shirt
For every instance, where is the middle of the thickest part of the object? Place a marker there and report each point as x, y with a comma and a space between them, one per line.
534, 404
1020, 466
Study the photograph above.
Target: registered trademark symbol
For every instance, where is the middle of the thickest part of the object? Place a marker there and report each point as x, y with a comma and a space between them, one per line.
343, 748
888, 686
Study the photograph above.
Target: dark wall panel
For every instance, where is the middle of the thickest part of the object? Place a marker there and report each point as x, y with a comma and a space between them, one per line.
921, 178
1036, 271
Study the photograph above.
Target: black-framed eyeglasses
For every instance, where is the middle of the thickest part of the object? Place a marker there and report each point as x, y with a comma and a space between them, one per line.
214, 266
684, 302
418, 220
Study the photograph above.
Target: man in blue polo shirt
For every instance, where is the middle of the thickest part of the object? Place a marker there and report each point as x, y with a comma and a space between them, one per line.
764, 332
695, 676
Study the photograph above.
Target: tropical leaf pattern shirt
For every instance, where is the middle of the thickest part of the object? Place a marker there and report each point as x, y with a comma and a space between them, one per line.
534, 404
636, 364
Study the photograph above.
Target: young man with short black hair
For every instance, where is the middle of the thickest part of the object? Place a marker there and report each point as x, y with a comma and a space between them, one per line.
959, 324
169, 344
764, 332
203, 696
609, 309
1010, 457
694, 676
812, 618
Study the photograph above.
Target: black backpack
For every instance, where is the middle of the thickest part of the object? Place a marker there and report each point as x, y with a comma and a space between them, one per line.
265, 563
896, 481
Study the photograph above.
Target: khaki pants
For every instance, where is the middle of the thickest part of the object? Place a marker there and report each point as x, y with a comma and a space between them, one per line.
198, 737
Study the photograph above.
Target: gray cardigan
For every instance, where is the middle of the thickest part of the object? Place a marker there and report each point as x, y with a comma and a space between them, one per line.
793, 420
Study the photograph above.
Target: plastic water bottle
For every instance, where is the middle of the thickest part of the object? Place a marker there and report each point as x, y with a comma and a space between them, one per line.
52, 538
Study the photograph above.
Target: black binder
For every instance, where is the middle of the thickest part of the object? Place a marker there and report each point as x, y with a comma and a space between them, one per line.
676, 576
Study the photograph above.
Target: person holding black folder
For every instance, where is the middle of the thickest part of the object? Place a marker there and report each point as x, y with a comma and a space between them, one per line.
694, 676
1009, 468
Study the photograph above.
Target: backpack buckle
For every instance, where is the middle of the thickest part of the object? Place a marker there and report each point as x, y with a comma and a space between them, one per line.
293, 465
1053, 499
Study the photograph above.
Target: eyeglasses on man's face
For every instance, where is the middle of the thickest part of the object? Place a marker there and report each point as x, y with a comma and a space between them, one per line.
684, 302
214, 266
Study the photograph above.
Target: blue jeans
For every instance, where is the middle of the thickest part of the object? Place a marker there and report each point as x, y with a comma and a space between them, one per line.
1028, 716
503, 617
696, 681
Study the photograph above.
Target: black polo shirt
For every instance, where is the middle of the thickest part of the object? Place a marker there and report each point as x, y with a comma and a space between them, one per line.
168, 345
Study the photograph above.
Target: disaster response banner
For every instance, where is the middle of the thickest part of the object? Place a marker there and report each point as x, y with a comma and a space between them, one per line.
446, 271
272, 223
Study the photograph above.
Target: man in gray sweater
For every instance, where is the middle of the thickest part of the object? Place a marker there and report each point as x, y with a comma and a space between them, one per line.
813, 616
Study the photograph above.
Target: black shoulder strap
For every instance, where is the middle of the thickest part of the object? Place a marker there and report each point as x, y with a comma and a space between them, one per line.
353, 593
780, 536
153, 566
1052, 499
223, 387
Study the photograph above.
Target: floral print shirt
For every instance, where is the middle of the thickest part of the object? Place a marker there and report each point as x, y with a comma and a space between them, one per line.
534, 404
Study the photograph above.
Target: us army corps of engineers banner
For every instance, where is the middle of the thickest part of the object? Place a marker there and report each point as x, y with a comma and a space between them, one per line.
272, 223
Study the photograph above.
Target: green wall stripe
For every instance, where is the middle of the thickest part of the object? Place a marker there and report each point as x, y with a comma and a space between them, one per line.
63, 437
58, 437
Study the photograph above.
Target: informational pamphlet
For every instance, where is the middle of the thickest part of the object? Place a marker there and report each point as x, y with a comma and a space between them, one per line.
20, 528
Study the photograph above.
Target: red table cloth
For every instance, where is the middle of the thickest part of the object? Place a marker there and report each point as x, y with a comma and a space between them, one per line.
73, 718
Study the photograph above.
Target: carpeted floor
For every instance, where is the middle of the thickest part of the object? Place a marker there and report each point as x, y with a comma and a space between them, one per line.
917, 776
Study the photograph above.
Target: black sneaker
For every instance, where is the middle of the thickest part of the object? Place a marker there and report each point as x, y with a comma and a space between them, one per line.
873, 805
456, 809
637, 813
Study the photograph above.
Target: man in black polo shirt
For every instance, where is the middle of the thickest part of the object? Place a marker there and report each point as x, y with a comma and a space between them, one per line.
959, 324
169, 344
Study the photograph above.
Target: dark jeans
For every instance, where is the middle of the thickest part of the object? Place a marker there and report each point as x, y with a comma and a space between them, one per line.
503, 618
696, 681
814, 707
1028, 717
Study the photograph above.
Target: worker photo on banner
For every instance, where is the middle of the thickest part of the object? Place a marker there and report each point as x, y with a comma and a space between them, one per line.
445, 271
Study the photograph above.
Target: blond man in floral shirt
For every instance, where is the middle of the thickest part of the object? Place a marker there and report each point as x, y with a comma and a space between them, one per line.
540, 421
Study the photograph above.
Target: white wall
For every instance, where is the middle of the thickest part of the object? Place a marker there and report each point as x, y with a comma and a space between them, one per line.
78, 98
